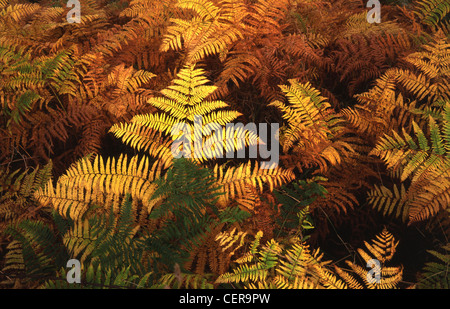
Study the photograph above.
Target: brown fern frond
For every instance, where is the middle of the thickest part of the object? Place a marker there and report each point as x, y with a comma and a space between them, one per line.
362, 58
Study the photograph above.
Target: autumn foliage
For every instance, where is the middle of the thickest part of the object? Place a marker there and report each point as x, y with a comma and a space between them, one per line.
87, 169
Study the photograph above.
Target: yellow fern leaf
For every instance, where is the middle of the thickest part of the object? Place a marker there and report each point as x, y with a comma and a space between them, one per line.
235, 179
86, 183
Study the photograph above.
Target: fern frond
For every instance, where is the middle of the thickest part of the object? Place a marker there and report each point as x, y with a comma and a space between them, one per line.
424, 160
145, 139
432, 12
185, 204
434, 274
433, 70
211, 30
280, 282
98, 278
312, 129
382, 250
228, 239
17, 190
351, 281
235, 179
184, 281
35, 247
273, 265
244, 273
89, 182
390, 202
184, 103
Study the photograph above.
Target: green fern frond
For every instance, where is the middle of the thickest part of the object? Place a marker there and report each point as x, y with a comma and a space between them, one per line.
432, 12
184, 281
17, 191
107, 244
425, 161
294, 213
98, 278
36, 253
419, 155
185, 204
275, 265
435, 274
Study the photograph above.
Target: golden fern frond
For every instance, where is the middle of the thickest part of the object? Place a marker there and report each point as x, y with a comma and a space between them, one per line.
419, 85
211, 30
329, 280
307, 107
351, 281
228, 239
280, 282
371, 121
238, 66
186, 108
313, 131
255, 269
382, 94
414, 158
364, 122
221, 117
79, 239
357, 24
445, 27
424, 160
433, 64
189, 88
390, 202
274, 265
144, 138
299, 261
382, 248
250, 200
235, 179
86, 183
3, 3
158, 122
16, 13
432, 197
14, 257
244, 273
381, 251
